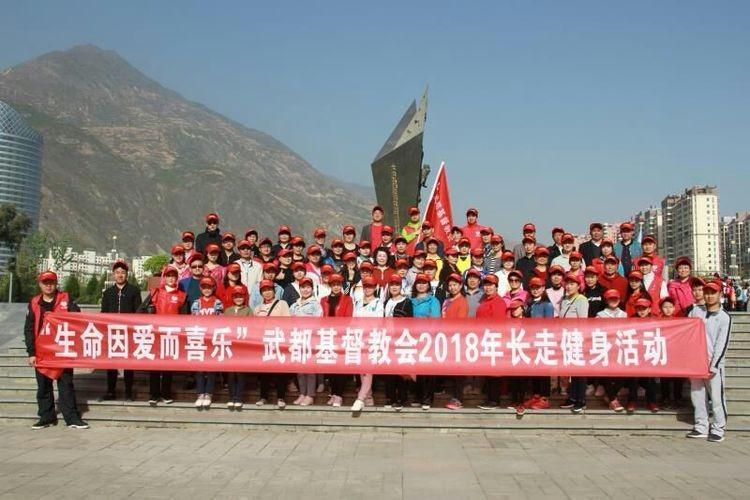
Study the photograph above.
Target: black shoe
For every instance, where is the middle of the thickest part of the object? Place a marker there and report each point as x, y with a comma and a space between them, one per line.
696, 435
110, 396
487, 405
715, 438
568, 404
43, 424
578, 408
79, 424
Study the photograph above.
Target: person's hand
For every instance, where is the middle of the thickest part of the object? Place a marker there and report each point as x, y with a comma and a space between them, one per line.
32, 360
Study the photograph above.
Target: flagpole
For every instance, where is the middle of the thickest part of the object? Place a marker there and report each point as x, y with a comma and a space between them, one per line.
429, 200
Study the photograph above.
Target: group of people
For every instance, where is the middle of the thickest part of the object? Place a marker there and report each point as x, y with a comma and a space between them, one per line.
385, 273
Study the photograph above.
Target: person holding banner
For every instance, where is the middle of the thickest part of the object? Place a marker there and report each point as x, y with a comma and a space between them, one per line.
397, 305
50, 299
271, 306
491, 306
122, 297
208, 304
718, 325
369, 306
642, 310
167, 299
425, 305
574, 305
306, 305
538, 306
236, 380
339, 305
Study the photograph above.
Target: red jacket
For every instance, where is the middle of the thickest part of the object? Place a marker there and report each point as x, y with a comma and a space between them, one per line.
344, 309
62, 299
616, 282
226, 296
382, 276
456, 307
682, 294
472, 232
168, 302
492, 307
658, 263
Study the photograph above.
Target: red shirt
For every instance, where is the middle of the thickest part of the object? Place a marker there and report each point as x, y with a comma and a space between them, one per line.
344, 309
682, 294
615, 282
473, 233
492, 307
376, 231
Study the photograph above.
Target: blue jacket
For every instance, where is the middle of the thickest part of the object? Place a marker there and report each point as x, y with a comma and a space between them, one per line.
426, 307
635, 252
192, 289
542, 309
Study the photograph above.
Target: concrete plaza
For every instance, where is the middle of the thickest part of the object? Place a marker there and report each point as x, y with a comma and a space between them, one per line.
117, 462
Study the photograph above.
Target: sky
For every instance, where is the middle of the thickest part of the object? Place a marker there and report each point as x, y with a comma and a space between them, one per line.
553, 112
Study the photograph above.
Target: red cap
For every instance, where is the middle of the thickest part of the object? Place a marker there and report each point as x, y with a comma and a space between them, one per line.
337, 243
212, 217
712, 286
451, 252
516, 273
464, 242
239, 291
228, 236
477, 252
365, 244
265, 241
387, 230
120, 264
486, 230
557, 229
285, 252
683, 261
635, 275
414, 211
575, 256
297, 266
264, 284
649, 237
421, 278
188, 235
427, 225
642, 303
529, 228
528, 239
536, 282
170, 270
626, 227
366, 266
515, 304
47, 276
284, 229
348, 229
212, 248
595, 225
233, 268
319, 233
571, 277
611, 294
496, 239
350, 256
473, 272
297, 241
196, 256
643, 261
429, 263
251, 230
419, 253
612, 259
377, 207
306, 281
207, 281
568, 237
591, 270
244, 244
314, 249
369, 282
490, 278
270, 266
508, 255
472, 210
556, 270
326, 269
455, 277
539, 251
395, 279
607, 241
177, 249
402, 263
336, 278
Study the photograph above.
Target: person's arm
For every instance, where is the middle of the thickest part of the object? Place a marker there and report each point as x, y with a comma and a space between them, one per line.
582, 307
105, 307
143, 308
73, 307
29, 336
721, 343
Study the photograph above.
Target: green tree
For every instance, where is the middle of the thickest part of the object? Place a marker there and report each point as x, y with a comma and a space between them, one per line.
33, 250
73, 286
92, 291
14, 225
156, 263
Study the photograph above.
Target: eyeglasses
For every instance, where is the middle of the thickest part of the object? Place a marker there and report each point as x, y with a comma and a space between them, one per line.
514, 280
196, 267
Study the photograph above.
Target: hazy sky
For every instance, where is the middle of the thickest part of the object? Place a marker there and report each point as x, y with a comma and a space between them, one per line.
556, 112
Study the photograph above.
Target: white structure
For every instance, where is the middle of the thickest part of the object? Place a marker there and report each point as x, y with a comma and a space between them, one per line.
691, 228
735, 245
136, 267
88, 263
650, 222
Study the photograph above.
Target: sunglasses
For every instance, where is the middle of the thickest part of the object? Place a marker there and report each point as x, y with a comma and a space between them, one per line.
513, 280
197, 266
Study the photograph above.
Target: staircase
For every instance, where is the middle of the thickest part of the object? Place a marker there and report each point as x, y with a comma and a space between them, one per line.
18, 403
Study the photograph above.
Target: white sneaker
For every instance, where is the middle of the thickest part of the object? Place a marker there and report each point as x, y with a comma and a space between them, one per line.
337, 401
358, 406
330, 400
307, 401
260, 402
299, 399
281, 404
238, 406
206, 401
230, 405
426, 407
199, 401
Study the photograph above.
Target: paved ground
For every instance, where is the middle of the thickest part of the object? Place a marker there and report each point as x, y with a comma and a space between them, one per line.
193, 463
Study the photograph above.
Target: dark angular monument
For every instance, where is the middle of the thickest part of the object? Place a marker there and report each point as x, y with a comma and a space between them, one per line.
397, 170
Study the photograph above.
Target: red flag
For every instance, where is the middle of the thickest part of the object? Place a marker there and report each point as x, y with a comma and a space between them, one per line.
439, 212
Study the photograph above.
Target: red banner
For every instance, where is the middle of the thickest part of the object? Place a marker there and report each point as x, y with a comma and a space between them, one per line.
439, 212
542, 347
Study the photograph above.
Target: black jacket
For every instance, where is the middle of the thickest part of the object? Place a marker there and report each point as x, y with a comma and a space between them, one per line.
225, 259
29, 335
206, 237
121, 300
590, 251
596, 301
404, 309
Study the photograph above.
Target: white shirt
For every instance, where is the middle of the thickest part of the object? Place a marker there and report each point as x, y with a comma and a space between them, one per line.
372, 310
648, 279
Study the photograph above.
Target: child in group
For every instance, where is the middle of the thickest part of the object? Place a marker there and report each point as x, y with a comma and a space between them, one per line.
236, 382
208, 304
516, 385
538, 306
642, 310
368, 306
612, 310
306, 305
671, 388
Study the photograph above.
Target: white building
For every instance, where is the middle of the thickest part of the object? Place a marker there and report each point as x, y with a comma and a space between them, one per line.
735, 245
88, 263
691, 228
651, 222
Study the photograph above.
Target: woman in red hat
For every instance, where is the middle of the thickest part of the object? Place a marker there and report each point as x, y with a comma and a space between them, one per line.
236, 380
538, 306
491, 306
179, 261
636, 290
232, 278
337, 304
212, 234
366, 306
188, 243
382, 271
272, 306
208, 304
515, 288
642, 308
350, 234
212, 267
350, 272
425, 305
397, 305
455, 306
306, 305
336, 257
680, 288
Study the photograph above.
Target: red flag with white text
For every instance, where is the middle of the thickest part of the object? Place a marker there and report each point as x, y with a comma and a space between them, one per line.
439, 212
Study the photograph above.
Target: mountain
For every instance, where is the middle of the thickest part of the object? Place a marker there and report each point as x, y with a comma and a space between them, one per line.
125, 156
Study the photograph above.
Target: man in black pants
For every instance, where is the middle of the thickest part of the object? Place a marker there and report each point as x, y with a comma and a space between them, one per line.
122, 297
51, 300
